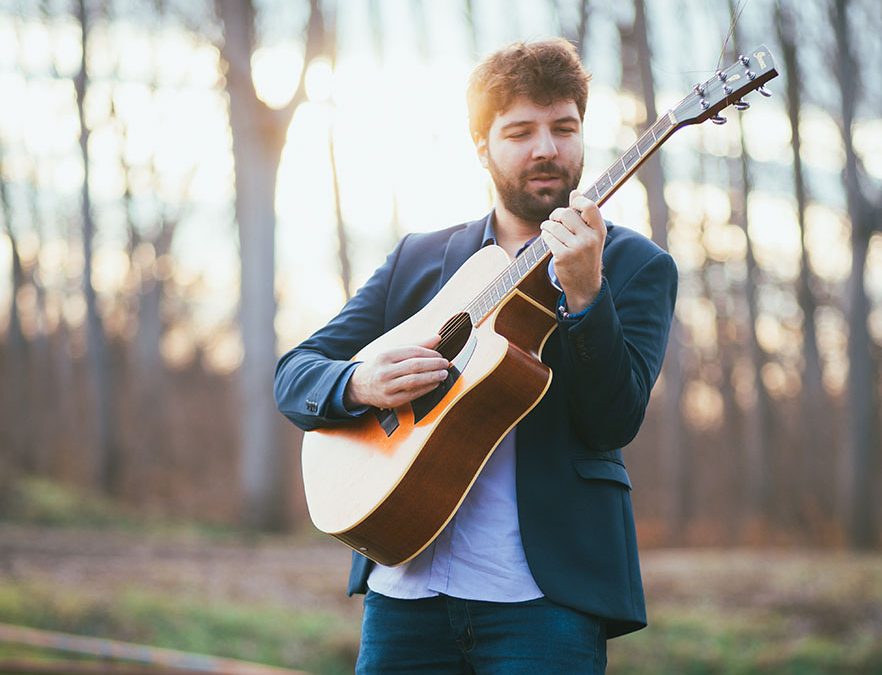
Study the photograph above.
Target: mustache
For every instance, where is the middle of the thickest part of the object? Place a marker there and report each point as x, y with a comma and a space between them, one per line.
544, 169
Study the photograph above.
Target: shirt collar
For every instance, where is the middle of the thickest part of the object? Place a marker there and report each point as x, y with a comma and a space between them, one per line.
489, 236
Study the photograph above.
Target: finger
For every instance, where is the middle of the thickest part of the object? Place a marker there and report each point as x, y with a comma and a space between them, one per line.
405, 397
558, 213
560, 231
410, 366
418, 381
410, 352
579, 201
573, 221
556, 246
430, 342
589, 212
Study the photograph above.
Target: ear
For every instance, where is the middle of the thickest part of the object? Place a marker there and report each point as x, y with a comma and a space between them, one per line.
481, 148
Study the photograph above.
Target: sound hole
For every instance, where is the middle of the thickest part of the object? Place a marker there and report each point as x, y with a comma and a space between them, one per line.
457, 345
454, 335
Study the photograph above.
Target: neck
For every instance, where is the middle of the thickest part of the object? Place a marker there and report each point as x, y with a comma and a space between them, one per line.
511, 230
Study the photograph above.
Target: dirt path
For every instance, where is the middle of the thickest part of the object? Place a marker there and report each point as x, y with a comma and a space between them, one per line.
829, 591
307, 573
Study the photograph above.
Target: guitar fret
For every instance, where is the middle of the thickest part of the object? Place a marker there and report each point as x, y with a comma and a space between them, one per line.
645, 143
615, 172
661, 126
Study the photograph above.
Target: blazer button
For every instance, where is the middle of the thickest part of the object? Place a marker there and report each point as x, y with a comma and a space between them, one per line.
312, 406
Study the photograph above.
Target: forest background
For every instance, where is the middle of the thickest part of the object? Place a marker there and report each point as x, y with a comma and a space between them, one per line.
189, 188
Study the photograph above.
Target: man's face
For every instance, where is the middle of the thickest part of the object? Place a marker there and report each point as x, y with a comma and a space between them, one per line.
534, 154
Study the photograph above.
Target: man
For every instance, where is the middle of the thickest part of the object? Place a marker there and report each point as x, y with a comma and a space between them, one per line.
539, 566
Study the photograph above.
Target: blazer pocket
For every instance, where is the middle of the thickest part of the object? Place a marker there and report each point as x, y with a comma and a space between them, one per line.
602, 469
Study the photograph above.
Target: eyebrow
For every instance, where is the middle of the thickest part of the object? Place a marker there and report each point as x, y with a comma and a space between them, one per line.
569, 119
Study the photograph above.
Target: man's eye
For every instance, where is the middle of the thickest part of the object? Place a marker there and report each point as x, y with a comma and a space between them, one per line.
519, 134
566, 130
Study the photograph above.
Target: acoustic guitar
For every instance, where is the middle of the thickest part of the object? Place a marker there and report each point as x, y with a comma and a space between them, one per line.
388, 482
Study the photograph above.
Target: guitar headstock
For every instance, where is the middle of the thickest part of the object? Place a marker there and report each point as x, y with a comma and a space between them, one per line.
749, 72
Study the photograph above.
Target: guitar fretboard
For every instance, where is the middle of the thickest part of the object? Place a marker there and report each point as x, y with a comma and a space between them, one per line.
602, 189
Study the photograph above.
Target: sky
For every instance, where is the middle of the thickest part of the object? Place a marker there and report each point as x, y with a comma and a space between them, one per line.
395, 112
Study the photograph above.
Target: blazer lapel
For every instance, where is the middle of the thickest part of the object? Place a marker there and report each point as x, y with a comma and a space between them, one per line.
460, 248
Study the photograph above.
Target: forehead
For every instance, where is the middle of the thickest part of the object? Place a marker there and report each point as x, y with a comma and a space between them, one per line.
525, 110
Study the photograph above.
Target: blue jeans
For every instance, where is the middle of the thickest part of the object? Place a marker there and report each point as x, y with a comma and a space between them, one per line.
448, 635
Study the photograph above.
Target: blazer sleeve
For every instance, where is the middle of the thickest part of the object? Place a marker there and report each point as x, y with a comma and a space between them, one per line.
308, 376
614, 353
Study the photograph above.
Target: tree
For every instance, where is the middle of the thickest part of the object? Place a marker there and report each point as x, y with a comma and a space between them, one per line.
815, 439
108, 468
637, 76
865, 212
258, 138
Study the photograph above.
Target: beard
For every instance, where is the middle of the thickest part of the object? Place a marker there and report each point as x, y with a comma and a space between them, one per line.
534, 206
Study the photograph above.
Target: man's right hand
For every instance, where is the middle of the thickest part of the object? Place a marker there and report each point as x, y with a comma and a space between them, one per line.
397, 376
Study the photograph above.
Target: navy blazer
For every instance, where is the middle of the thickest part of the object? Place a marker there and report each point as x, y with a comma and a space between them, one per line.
573, 491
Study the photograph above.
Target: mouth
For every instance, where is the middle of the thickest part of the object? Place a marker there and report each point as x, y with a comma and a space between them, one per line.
544, 180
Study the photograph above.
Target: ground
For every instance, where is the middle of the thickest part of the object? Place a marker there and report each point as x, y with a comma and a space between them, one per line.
280, 600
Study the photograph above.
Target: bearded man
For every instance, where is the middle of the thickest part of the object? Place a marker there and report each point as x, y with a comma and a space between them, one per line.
539, 567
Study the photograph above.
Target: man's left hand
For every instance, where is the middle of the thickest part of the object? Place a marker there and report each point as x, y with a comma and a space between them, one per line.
575, 235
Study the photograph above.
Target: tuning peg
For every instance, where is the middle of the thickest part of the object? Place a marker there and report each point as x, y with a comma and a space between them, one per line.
765, 92
744, 60
741, 105
698, 89
718, 119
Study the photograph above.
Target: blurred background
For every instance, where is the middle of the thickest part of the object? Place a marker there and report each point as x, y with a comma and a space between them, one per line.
188, 188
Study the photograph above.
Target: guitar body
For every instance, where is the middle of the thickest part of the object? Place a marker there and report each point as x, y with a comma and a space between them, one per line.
388, 494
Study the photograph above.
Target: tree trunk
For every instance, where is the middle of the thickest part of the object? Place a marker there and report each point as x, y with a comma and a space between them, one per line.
258, 137
759, 416
673, 450
862, 405
815, 440
14, 387
342, 236
108, 467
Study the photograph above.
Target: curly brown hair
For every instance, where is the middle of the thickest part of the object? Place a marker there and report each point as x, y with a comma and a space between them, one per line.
545, 72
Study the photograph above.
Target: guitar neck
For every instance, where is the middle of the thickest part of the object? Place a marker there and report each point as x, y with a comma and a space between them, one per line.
603, 188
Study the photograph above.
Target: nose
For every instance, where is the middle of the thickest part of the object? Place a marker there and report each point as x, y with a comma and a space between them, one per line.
545, 147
